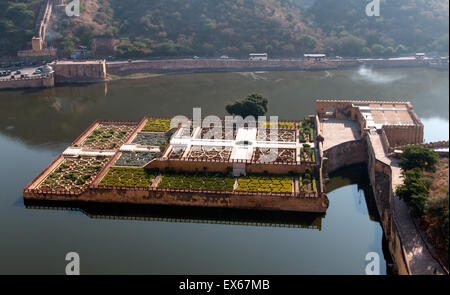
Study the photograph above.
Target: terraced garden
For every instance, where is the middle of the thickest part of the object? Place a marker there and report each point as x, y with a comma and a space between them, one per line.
198, 181
307, 153
274, 155
210, 153
135, 159
157, 125
225, 133
176, 153
107, 136
281, 135
307, 182
73, 174
150, 139
131, 177
280, 125
306, 131
265, 183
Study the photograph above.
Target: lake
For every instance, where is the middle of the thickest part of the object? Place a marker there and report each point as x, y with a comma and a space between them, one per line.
38, 124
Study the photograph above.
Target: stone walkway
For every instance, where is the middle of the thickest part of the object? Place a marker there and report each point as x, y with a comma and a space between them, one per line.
418, 256
337, 131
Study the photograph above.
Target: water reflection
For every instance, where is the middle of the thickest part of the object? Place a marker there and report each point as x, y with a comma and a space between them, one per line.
186, 214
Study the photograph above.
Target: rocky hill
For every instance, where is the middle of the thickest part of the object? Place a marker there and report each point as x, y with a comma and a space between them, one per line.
283, 28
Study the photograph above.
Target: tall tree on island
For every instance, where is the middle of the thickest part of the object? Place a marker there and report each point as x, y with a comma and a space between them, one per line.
252, 105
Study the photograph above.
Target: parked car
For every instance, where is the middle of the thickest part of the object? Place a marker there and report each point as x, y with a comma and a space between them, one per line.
12, 77
224, 57
18, 72
196, 57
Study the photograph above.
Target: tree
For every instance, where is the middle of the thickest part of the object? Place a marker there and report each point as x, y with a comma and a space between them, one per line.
419, 157
414, 191
252, 105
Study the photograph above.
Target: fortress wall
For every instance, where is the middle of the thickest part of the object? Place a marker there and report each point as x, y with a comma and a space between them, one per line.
122, 68
389, 63
89, 71
38, 82
345, 154
380, 175
224, 200
398, 135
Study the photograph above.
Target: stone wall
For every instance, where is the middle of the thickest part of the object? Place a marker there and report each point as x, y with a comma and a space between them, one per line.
345, 154
79, 71
32, 82
380, 175
122, 68
199, 199
398, 135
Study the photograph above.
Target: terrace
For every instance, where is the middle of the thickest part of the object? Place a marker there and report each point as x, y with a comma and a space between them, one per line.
107, 136
73, 174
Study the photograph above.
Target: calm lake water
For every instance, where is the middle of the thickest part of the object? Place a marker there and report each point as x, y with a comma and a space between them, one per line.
37, 125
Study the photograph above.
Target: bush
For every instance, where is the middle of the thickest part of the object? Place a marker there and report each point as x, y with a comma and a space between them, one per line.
419, 157
414, 191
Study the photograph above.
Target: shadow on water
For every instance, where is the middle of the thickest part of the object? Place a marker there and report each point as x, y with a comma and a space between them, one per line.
357, 174
186, 214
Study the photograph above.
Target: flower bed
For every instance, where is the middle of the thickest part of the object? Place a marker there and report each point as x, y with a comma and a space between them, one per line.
282, 135
73, 174
306, 131
280, 125
200, 181
307, 154
274, 155
307, 182
107, 136
225, 133
265, 183
150, 139
157, 125
176, 153
132, 177
135, 159
210, 153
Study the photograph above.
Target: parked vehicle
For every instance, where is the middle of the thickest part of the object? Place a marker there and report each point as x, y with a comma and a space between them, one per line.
224, 57
18, 72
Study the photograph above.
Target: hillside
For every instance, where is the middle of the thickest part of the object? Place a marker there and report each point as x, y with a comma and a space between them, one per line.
283, 28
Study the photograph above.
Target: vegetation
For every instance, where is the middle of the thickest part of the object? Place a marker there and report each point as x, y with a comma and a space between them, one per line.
252, 105
280, 125
419, 157
107, 136
131, 177
157, 125
201, 181
415, 189
135, 159
73, 174
265, 183
307, 182
286, 28
150, 139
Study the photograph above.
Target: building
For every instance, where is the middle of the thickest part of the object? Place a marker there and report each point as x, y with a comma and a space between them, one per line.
258, 56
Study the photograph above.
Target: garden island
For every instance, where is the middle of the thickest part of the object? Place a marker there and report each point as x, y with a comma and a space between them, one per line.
269, 166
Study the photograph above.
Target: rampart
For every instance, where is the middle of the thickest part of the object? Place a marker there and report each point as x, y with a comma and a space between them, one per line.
79, 71
31, 82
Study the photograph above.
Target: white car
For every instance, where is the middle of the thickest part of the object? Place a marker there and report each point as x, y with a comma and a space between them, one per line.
224, 57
